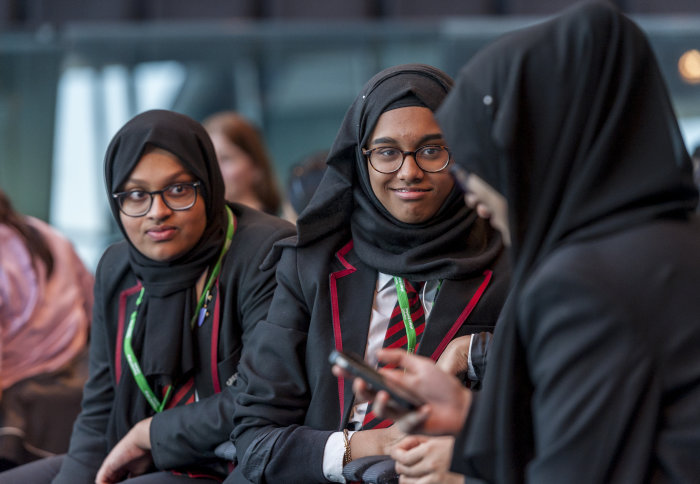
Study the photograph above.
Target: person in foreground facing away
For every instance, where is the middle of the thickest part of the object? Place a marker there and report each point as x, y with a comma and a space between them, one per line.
387, 206
175, 302
573, 150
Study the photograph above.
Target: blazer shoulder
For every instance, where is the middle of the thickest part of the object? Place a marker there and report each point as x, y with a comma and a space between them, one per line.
115, 259
255, 225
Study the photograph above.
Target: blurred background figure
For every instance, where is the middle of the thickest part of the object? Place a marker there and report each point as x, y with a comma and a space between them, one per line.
303, 179
244, 162
45, 310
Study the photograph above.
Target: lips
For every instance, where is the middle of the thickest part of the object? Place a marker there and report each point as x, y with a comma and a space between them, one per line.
410, 193
161, 233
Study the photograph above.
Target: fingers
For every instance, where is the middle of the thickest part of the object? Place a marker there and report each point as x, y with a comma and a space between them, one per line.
363, 392
431, 457
384, 406
414, 366
414, 464
396, 357
340, 373
414, 422
407, 452
108, 476
410, 441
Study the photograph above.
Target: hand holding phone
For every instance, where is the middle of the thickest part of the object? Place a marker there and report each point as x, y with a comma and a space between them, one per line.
357, 366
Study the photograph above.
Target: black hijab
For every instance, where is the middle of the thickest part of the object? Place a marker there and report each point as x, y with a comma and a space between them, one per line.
452, 244
570, 120
162, 339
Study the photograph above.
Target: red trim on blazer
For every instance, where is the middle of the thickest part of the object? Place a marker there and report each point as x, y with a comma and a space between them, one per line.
215, 342
335, 311
198, 475
462, 317
120, 328
181, 393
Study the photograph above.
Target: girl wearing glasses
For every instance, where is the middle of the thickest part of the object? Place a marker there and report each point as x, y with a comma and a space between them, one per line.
175, 302
386, 221
596, 369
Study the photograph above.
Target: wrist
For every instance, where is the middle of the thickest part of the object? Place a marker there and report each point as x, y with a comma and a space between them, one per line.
143, 433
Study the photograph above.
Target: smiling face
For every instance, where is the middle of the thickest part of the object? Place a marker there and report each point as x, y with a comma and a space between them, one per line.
163, 234
489, 204
410, 194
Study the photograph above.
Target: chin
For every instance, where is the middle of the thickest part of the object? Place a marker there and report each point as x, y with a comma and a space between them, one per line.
412, 219
162, 254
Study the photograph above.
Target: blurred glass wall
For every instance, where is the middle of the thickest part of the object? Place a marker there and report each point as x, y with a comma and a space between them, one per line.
70, 79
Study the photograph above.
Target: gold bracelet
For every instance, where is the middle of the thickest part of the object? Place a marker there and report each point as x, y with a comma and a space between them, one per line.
347, 455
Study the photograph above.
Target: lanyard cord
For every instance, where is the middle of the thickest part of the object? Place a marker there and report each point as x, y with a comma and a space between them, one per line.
406, 312
156, 404
230, 229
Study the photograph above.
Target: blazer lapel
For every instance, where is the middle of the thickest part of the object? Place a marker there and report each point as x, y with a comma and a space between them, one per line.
451, 311
352, 293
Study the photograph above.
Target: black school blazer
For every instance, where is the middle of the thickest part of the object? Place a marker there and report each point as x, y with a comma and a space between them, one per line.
292, 401
183, 437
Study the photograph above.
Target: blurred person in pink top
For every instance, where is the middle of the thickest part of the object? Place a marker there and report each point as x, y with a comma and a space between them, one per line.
45, 309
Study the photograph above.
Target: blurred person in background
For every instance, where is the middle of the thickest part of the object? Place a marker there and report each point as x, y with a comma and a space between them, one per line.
46, 296
244, 161
303, 180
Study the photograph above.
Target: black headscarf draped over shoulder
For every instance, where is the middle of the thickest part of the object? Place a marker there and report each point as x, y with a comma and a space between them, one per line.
570, 120
162, 326
454, 243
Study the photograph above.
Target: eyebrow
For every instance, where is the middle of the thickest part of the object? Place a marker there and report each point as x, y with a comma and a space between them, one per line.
174, 178
423, 139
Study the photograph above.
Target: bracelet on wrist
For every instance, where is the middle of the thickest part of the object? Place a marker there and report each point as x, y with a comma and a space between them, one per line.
347, 455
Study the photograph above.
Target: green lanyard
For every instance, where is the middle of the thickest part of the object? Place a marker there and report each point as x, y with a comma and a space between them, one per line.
406, 314
217, 268
159, 405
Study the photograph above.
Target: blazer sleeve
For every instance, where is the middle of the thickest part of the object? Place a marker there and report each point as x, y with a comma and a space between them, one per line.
479, 346
88, 444
188, 435
271, 439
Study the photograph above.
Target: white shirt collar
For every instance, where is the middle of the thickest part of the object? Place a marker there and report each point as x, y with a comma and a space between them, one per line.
384, 280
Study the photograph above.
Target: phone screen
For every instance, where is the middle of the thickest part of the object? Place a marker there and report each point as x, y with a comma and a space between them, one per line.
358, 367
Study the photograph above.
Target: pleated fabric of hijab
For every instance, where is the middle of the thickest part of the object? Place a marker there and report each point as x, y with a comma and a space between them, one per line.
571, 121
451, 245
162, 326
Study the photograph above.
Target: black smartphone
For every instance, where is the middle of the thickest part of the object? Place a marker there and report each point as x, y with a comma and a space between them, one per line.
359, 367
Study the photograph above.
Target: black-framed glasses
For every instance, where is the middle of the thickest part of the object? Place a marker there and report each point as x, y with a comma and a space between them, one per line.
429, 158
178, 196
460, 176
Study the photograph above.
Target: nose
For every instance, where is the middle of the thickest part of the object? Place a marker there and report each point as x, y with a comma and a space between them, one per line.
410, 169
159, 209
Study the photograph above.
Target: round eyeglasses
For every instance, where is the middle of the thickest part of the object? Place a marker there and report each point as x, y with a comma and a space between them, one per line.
178, 196
429, 158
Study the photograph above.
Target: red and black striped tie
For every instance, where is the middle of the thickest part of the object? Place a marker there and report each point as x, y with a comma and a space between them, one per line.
396, 337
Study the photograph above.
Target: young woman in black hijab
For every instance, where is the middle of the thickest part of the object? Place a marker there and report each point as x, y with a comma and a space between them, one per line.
387, 206
573, 151
175, 302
